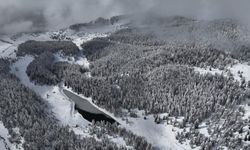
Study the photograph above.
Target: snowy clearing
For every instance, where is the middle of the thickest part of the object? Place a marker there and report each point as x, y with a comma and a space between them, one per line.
82, 61
238, 71
79, 40
160, 135
204, 71
5, 144
243, 69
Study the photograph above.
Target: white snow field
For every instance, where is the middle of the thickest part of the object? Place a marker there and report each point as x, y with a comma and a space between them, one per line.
243, 68
82, 61
161, 135
204, 71
5, 144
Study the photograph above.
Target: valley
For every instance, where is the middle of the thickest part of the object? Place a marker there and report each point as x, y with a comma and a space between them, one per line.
126, 86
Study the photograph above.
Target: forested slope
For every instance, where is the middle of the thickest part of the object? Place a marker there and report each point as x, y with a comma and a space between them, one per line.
153, 70
22, 108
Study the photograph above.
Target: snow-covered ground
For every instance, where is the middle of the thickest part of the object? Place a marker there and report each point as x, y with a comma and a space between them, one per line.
204, 71
239, 71
7, 50
5, 144
9, 44
243, 69
203, 129
82, 61
79, 40
160, 135
62, 107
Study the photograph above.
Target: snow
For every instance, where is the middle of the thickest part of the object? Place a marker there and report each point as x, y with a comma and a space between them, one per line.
22, 37
203, 129
8, 45
62, 107
80, 40
204, 71
160, 135
244, 68
82, 61
4, 139
89, 34
119, 141
4, 134
7, 50
247, 112
89, 99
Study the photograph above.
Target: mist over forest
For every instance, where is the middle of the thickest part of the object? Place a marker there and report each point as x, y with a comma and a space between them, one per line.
36, 15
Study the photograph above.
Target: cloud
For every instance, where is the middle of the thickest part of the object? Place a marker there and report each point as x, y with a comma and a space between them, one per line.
28, 15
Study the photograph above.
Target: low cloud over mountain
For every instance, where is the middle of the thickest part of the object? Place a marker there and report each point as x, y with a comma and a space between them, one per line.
29, 15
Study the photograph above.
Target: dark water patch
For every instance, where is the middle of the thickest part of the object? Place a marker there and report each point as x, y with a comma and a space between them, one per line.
96, 117
87, 110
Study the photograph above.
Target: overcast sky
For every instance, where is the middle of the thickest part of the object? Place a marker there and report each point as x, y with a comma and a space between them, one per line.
27, 15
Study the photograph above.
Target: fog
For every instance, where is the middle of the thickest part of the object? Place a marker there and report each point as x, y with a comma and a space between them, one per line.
31, 15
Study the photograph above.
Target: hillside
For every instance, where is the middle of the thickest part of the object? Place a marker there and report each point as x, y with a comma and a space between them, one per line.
166, 82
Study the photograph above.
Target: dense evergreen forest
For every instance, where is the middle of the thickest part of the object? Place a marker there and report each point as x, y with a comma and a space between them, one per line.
137, 68
39, 47
22, 108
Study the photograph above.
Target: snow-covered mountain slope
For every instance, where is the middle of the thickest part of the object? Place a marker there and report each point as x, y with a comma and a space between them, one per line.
7, 50
62, 107
5, 143
171, 73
